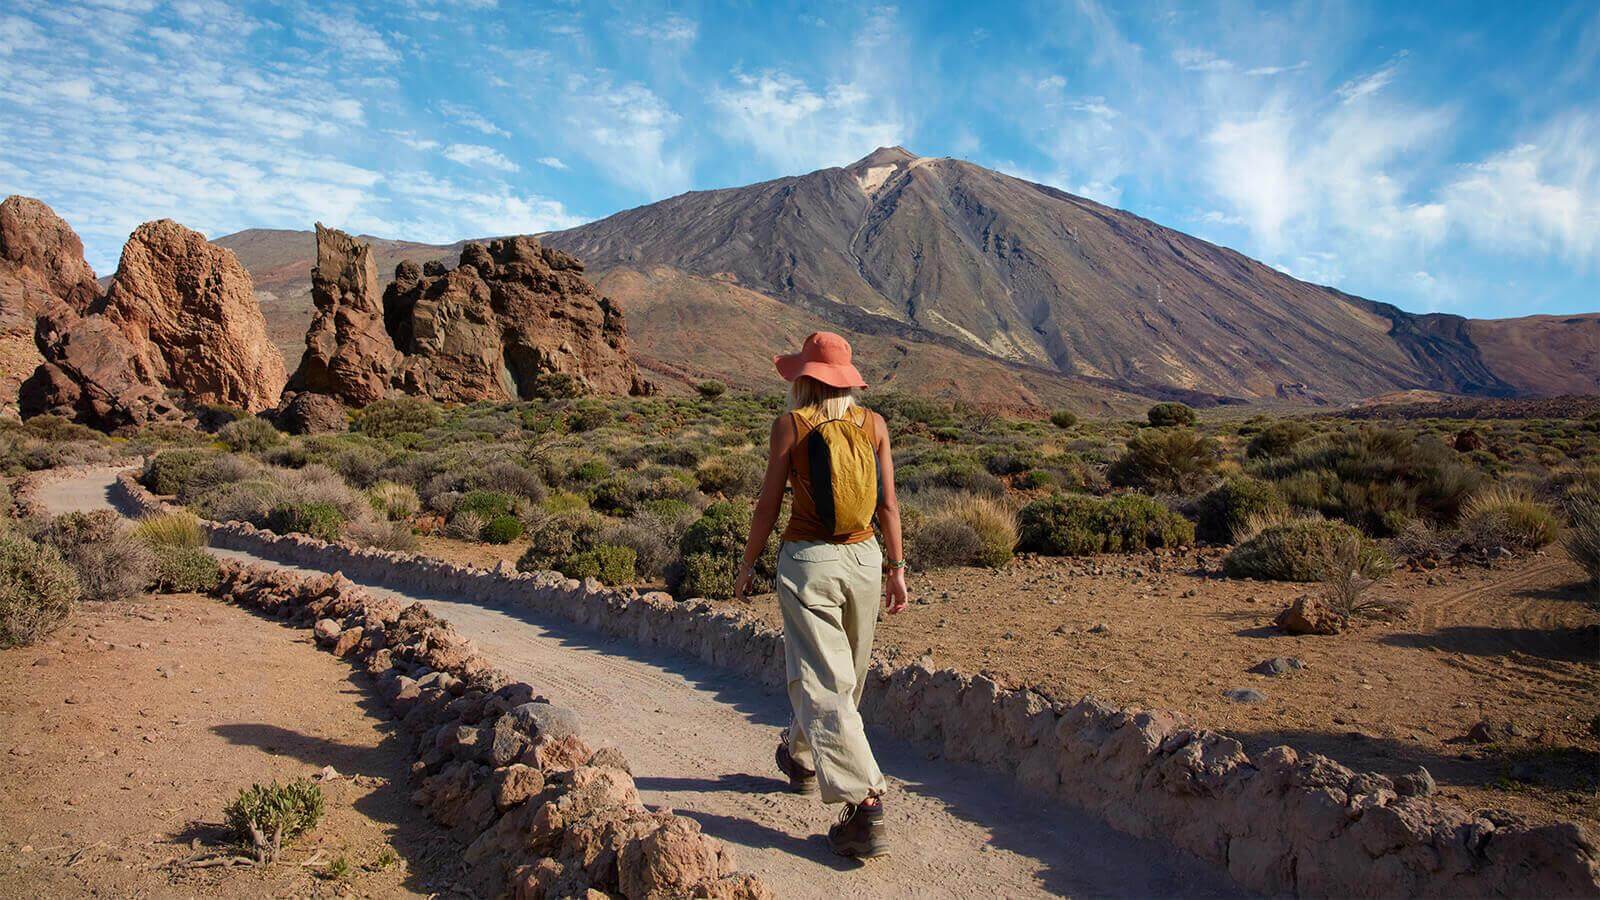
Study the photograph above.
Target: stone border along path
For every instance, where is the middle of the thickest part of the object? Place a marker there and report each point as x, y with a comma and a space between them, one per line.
1279, 823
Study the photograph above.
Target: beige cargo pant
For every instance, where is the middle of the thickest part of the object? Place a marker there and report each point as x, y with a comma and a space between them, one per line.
829, 594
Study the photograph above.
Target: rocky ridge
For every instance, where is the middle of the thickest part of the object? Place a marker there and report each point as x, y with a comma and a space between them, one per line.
498, 326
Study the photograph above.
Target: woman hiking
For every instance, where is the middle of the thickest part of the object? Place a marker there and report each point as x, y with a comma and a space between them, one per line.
834, 454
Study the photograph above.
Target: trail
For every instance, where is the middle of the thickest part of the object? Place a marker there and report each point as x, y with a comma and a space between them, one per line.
700, 741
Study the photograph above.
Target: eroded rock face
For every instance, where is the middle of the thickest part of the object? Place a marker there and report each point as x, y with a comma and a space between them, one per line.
309, 413
93, 374
349, 356
189, 310
510, 315
41, 269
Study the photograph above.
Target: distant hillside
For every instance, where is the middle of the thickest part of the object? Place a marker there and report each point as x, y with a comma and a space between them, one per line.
950, 275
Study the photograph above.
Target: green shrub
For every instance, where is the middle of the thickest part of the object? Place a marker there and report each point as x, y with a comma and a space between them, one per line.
1225, 509
316, 518
169, 471
734, 475
610, 563
1009, 460
1077, 525
1302, 550
388, 419
710, 551
704, 575
560, 502
554, 386
1175, 460
395, 501
1277, 439
1063, 418
559, 537
501, 530
249, 435
488, 504
242, 501
1170, 415
171, 529
588, 418
711, 390
37, 590
263, 818
182, 570
1373, 478
1506, 517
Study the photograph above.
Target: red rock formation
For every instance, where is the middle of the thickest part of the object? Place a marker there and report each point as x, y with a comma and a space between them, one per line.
348, 355
508, 315
94, 375
189, 310
41, 268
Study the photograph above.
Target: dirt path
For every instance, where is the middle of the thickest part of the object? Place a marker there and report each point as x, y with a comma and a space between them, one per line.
700, 741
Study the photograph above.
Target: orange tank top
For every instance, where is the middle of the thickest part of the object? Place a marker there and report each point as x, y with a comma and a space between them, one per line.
804, 523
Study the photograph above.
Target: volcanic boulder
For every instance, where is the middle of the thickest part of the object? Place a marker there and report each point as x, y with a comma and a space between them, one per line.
497, 326
93, 374
188, 308
349, 355
41, 269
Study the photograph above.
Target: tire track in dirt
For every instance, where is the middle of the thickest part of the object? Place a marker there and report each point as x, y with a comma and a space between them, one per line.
701, 739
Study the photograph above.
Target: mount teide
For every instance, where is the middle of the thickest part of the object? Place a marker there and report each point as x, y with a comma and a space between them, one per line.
955, 279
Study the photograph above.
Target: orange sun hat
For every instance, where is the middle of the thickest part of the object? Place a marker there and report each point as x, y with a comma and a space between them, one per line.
825, 356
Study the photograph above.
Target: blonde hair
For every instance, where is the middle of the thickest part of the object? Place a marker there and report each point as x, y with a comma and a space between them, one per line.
808, 394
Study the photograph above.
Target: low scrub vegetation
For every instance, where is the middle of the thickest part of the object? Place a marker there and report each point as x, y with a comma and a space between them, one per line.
37, 589
263, 817
663, 476
1078, 525
1303, 550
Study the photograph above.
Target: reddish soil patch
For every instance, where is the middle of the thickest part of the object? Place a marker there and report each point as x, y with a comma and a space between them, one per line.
126, 733
1517, 644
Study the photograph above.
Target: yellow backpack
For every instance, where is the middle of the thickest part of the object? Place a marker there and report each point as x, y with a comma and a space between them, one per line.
844, 473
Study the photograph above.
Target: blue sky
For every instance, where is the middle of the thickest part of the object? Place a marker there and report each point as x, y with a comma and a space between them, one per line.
1441, 156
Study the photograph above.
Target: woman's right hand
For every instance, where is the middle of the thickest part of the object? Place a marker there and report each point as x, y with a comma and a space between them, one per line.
741, 585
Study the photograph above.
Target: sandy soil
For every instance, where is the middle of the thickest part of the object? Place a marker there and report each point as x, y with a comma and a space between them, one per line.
126, 733
1517, 644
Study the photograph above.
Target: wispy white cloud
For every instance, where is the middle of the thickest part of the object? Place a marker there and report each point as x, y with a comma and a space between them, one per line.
351, 36
1371, 83
1265, 71
1197, 60
627, 131
1540, 197
553, 162
670, 30
478, 155
468, 117
798, 125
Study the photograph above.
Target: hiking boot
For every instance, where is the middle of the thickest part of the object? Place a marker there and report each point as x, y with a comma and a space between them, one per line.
860, 832
801, 779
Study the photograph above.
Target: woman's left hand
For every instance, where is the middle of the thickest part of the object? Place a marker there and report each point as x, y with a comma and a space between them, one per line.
894, 591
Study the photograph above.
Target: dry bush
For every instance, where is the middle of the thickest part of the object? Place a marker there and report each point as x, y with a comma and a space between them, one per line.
318, 484
964, 530
383, 535
37, 590
465, 525
1583, 531
1347, 578
242, 501
1505, 516
108, 566
171, 529
395, 501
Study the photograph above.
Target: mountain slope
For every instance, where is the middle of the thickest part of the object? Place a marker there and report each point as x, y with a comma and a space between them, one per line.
944, 250
966, 279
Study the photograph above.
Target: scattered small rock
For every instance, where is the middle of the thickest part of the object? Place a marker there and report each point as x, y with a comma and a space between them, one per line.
326, 631
1244, 695
1309, 615
1278, 665
1415, 784
1482, 733
1100, 628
